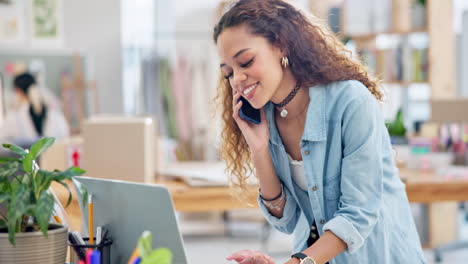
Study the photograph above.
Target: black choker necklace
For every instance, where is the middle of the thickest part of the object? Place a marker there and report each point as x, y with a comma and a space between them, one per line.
284, 112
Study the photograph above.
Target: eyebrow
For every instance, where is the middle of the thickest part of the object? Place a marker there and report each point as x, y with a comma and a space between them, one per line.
235, 56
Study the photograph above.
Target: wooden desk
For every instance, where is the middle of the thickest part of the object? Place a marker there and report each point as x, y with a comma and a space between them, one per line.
206, 199
428, 187
441, 195
420, 187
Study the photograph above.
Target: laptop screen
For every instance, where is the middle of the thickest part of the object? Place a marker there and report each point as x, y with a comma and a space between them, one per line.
127, 209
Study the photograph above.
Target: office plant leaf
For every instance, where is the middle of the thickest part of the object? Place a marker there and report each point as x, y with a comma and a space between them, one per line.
68, 174
15, 149
7, 159
28, 163
16, 212
43, 211
40, 146
397, 127
25, 189
145, 244
150, 256
158, 256
4, 197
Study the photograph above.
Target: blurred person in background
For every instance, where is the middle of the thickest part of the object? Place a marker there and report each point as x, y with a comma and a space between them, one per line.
30, 117
38, 69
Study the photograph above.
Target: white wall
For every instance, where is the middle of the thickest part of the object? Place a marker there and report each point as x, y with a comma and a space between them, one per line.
94, 27
463, 58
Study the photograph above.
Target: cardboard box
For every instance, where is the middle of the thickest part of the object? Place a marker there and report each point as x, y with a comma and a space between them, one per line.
120, 148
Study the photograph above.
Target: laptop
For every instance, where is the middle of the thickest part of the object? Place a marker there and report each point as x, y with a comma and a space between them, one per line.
127, 209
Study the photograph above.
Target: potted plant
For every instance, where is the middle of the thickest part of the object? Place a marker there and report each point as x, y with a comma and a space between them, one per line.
397, 130
26, 207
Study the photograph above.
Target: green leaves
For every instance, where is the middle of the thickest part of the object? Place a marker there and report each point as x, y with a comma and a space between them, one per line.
28, 163
43, 211
15, 149
397, 126
69, 174
40, 146
16, 209
4, 197
145, 244
159, 256
36, 150
148, 256
24, 189
7, 159
69, 193
8, 170
43, 181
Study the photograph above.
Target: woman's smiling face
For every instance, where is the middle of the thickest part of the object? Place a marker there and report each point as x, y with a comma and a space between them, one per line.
250, 63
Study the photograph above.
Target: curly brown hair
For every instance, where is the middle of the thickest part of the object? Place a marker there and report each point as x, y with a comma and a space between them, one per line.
315, 54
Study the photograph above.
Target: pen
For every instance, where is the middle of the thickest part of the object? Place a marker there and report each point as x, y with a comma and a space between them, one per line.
134, 256
105, 235
96, 257
89, 253
90, 219
79, 238
98, 235
80, 241
74, 244
72, 239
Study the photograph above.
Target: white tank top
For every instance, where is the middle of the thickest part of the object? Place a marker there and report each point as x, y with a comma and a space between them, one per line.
297, 172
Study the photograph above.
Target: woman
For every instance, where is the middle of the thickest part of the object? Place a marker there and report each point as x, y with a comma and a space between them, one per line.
321, 153
31, 118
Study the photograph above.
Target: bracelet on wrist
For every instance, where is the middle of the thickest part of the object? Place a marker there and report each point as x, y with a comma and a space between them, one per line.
275, 205
272, 199
277, 202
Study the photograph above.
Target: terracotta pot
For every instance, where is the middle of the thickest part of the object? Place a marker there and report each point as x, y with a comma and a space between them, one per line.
33, 247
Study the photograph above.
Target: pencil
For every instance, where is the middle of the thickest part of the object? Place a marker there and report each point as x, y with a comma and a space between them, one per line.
91, 219
57, 219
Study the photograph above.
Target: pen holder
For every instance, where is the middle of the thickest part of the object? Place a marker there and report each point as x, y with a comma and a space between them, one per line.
78, 251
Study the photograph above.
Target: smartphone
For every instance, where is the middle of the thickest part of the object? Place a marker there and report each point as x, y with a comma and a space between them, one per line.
248, 113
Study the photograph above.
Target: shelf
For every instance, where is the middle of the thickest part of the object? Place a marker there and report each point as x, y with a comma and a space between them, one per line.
374, 35
44, 51
405, 82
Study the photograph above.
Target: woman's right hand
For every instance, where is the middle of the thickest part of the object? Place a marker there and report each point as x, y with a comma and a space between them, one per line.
250, 257
256, 135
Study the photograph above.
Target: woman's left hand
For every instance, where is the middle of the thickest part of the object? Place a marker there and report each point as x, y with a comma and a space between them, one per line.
250, 257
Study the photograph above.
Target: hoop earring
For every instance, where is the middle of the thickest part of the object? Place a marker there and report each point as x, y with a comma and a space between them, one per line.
284, 62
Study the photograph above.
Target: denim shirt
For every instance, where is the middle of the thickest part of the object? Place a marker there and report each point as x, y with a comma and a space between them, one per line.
353, 185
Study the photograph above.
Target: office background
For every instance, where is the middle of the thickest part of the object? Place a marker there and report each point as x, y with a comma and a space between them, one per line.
156, 58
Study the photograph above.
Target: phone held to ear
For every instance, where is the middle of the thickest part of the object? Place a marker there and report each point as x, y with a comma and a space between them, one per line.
248, 113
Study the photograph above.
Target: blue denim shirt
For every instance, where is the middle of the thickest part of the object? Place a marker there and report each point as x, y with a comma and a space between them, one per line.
353, 185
